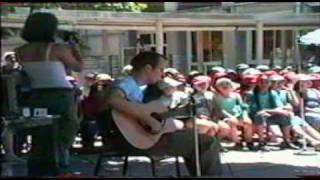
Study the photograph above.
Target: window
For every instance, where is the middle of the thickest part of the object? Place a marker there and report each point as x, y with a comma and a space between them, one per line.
207, 47
290, 44
272, 47
146, 38
217, 46
165, 38
278, 38
267, 44
149, 41
254, 57
165, 51
194, 46
212, 46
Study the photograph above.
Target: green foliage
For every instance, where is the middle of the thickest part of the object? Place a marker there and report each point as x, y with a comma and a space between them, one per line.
101, 6
152, 7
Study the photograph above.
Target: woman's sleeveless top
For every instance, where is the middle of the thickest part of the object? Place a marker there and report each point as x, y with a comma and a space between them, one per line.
312, 98
46, 74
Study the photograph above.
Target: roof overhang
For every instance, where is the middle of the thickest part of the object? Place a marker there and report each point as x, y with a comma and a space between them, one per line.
71, 20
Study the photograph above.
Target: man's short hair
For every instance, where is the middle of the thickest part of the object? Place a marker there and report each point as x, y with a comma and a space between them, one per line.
145, 58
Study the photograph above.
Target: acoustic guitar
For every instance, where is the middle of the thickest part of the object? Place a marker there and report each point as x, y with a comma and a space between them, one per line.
139, 135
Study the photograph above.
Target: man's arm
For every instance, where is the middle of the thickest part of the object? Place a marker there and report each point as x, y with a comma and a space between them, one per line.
116, 99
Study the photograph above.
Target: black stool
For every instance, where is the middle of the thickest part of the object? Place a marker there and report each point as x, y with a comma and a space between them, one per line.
125, 165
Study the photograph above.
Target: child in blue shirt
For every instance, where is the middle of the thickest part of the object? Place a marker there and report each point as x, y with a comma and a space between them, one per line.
231, 109
266, 109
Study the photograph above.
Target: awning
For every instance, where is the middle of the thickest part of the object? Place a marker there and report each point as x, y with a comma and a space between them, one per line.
311, 38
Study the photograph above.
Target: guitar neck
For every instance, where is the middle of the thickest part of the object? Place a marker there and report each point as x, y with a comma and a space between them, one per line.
183, 112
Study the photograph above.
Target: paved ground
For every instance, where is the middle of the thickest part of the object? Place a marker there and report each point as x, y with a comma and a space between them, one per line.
245, 164
235, 164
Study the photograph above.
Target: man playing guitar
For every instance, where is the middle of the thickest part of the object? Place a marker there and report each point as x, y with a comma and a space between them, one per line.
125, 99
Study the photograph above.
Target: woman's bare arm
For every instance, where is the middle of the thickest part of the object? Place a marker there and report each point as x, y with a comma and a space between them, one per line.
69, 56
294, 98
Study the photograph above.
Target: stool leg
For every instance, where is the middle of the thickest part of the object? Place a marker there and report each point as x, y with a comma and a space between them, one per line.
125, 166
153, 167
178, 167
98, 165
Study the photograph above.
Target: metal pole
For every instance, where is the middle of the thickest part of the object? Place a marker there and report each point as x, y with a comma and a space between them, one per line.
259, 42
196, 148
189, 50
196, 140
159, 37
304, 147
297, 34
199, 40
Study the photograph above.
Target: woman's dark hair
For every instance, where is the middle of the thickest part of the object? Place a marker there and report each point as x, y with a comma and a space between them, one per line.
256, 100
296, 87
244, 86
40, 27
145, 58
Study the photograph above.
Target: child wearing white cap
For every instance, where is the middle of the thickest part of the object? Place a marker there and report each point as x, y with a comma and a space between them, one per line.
230, 108
203, 101
171, 97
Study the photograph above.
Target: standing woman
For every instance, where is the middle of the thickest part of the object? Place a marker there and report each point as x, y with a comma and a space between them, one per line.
45, 63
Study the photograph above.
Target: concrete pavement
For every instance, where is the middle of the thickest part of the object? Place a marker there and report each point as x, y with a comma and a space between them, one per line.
239, 164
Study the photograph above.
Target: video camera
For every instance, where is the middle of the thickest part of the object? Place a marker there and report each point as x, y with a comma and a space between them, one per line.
70, 36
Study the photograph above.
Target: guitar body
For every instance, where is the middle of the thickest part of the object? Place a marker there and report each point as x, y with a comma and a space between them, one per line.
136, 134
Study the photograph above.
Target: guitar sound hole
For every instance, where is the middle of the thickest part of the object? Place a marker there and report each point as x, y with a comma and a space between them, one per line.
157, 117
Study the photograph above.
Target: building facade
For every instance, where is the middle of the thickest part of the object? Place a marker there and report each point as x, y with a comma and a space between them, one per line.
192, 38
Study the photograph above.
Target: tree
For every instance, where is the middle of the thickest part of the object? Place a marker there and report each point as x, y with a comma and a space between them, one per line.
101, 6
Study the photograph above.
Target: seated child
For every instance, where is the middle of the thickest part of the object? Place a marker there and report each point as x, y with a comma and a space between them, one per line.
203, 103
266, 109
172, 98
231, 110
